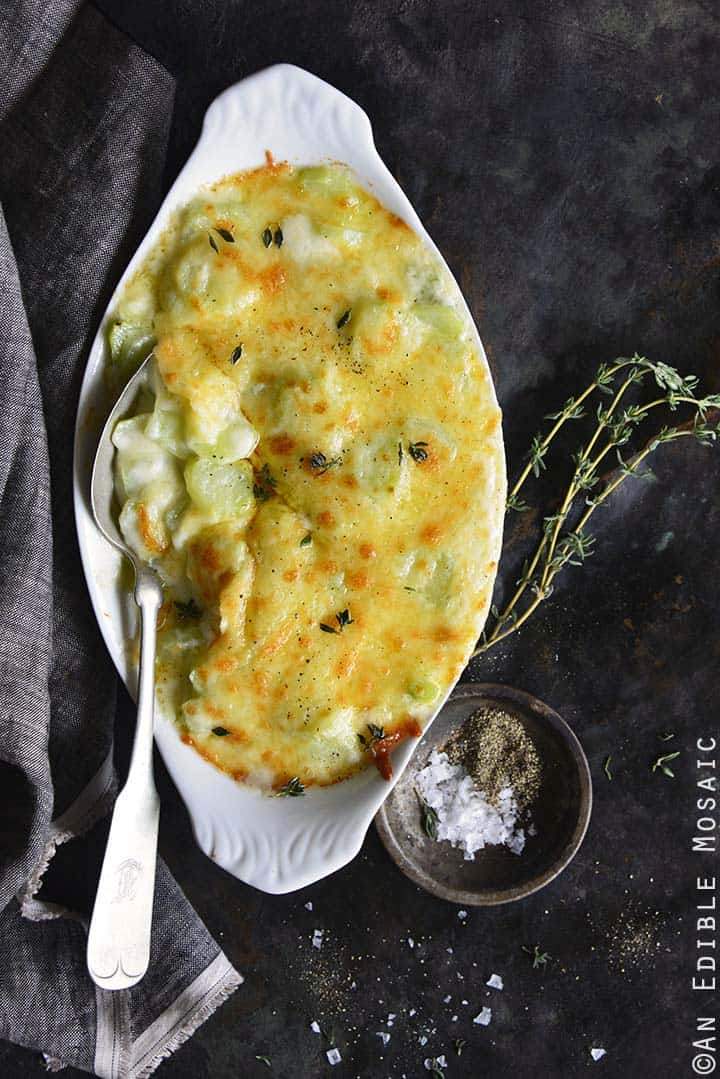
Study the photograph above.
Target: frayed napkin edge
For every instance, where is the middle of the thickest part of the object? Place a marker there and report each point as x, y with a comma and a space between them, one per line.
92, 804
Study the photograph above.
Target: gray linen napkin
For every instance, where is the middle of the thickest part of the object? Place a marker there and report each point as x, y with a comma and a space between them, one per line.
84, 117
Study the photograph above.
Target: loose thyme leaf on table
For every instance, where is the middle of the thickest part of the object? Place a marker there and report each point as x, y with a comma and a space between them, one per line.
606, 766
662, 764
539, 959
564, 539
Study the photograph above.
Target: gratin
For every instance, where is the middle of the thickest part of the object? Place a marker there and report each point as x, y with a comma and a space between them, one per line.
317, 473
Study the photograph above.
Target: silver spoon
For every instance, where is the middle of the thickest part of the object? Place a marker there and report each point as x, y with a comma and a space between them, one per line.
118, 949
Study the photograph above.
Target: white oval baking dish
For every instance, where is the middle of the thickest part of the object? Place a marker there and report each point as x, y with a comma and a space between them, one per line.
275, 844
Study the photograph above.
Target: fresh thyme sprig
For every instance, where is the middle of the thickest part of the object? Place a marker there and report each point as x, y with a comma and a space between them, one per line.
564, 539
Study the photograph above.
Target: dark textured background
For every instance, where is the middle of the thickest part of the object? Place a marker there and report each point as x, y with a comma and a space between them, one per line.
565, 158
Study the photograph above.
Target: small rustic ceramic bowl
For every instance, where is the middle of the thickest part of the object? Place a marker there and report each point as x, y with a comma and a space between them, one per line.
560, 813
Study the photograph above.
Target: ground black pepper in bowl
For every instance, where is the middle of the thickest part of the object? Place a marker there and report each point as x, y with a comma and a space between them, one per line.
497, 752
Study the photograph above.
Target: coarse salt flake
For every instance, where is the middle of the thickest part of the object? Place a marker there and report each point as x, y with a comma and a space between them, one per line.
466, 819
383, 1035
422, 1040
412, 1012
411, 942
462, 915
317, 938
390, 1019
333, 1056
447, 999
495, 981
597, 1054
315, 1026
308, 905
483, 1017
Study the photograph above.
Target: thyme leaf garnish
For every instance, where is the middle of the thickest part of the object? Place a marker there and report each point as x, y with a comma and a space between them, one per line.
265, 484
213, 244
376, 735
264, 1060
306, 540
267, 237
400, 453
236, 354
344, 318
188, 609
418, 451
342, 618
436, 1070
320, 464
278, 237
662, 763
292, 789
220, 731
226, 235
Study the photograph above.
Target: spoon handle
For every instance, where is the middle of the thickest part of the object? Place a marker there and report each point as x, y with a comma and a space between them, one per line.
118, 950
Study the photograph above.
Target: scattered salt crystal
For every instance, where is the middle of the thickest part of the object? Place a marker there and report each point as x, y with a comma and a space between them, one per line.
483, 1017
383, 1034
454, 1019
315, 1026
442, 1061
438, 1062
447, 999
333, 1056
462, 915
308, 905
597, 1054
495, 981
390, 1019
412, 1012
411, 942
317, 938
464, 1001
422, 1040
450, 951
465, 818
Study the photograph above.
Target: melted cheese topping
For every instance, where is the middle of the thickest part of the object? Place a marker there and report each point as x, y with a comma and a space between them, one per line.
317, 474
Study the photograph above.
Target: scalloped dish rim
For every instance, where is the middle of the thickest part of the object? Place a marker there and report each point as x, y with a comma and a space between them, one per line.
276, 845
